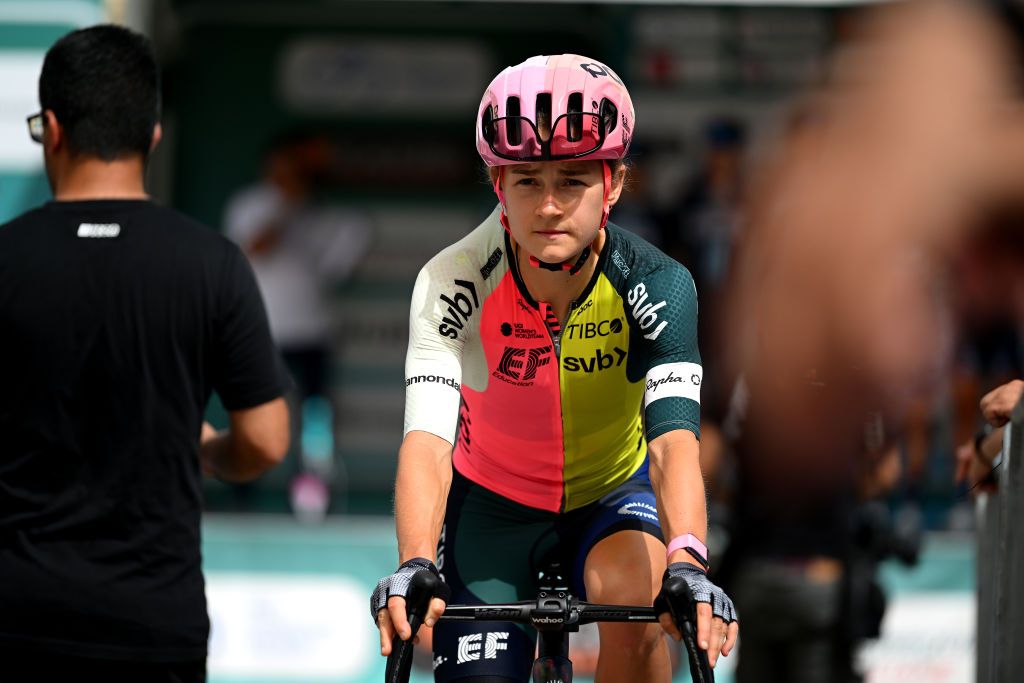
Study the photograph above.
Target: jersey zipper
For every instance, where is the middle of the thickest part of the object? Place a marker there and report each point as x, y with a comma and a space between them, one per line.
556, 340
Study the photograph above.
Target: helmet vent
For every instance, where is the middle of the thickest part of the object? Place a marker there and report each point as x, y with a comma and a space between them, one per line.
609, 115
487, 125
513, 132
575, 127
544, 115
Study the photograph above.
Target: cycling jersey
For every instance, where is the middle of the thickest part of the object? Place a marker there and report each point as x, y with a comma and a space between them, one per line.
550, 416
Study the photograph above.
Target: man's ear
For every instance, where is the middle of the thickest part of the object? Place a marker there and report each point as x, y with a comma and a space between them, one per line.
53, 132
158, 133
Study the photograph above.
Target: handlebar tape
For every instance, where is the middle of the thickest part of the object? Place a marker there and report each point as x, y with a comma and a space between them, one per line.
422, 587
683, 609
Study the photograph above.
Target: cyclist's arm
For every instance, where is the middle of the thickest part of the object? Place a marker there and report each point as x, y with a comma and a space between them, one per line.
421, 490
433, 371
433, 379
679, 488
672, 425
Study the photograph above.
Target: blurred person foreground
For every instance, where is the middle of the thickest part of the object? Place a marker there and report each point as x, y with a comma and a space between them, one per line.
885, 220
886, 189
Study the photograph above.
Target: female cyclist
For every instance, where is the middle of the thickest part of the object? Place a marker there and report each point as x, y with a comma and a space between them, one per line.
553, 395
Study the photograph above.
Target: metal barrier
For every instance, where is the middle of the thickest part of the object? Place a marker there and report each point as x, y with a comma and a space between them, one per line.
1000, 568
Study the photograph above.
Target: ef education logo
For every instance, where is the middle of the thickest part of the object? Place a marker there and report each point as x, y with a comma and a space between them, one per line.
470, 646
519, 366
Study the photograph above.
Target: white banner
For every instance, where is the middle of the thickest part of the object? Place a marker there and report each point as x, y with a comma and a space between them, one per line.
289, 627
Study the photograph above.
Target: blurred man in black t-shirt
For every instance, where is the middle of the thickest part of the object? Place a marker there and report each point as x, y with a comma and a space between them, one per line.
118, 319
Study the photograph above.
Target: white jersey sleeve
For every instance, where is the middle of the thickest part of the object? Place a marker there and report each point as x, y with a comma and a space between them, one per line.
445, 350
433, 364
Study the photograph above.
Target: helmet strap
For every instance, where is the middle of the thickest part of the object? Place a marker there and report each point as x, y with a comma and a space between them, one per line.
606, 171
573, 268
501, 197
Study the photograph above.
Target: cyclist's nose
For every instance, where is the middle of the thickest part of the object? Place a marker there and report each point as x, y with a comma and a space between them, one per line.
549, 207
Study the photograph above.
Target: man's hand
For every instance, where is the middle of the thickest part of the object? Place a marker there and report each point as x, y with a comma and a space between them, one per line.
388, 602
997, 404
717, 628
967, 464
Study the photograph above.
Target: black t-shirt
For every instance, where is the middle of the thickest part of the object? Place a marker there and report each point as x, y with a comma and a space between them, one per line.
117, 321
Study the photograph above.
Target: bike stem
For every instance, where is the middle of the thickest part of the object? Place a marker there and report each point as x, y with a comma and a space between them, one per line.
555, 616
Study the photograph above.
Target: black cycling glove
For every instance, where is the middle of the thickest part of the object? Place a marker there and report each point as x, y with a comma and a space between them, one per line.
702, 588
398, 584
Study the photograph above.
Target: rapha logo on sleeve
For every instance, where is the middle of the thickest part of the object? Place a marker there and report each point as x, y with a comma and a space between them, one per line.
99, 230
680, 380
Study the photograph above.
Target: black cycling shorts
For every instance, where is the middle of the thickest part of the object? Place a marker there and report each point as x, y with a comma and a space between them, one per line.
491, 550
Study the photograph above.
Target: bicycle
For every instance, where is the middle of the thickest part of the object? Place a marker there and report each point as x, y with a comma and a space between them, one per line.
554, 614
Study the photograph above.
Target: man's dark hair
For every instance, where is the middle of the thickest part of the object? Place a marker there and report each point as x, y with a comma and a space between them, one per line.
103, 85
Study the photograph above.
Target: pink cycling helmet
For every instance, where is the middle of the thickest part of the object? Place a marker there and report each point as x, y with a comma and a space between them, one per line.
554, 108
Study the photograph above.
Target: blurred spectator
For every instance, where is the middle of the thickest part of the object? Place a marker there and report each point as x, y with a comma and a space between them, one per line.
804, 540
856, 224
710, 212
702, 231
299, 248
976, 459
119, 319
997, 405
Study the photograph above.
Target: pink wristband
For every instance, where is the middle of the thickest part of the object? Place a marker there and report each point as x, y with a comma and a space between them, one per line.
690, 543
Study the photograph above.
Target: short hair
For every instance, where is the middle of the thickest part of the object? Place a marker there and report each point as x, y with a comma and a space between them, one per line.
103, 85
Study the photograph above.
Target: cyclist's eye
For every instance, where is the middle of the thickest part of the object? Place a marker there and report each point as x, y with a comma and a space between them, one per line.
573, 182
526, 181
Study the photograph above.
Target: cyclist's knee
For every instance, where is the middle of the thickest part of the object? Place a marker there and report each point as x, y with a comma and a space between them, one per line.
640, 640
621, 569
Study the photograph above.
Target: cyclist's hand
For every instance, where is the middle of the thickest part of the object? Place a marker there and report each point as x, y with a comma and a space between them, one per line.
717, 626
387, 604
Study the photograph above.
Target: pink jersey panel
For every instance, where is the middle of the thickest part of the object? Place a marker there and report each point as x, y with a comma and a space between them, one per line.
511, 438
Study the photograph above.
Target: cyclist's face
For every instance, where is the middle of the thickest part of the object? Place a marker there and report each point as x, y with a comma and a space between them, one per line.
554, 207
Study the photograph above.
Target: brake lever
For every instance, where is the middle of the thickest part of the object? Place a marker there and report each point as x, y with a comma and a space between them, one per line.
422, 588
680, 599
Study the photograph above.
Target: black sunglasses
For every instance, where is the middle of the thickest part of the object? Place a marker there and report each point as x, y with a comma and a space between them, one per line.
36, 126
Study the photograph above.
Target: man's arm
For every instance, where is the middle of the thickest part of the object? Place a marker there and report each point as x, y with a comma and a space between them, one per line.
256, 441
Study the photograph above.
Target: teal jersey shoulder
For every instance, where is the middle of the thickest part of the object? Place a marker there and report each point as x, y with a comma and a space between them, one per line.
660, 304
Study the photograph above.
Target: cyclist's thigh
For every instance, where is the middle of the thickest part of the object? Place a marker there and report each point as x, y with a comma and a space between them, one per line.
484, 555
624, 568
630, 507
